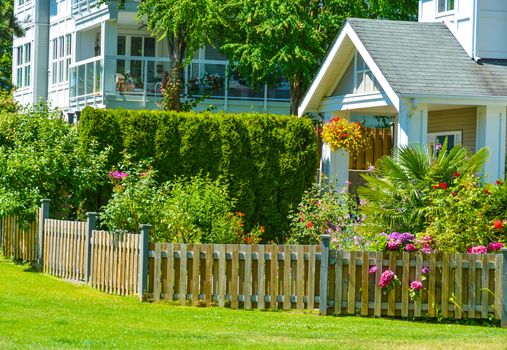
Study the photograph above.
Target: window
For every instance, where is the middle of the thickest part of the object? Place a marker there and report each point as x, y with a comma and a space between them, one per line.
23, 66
445, 5
435, 140
364, 81
61, 58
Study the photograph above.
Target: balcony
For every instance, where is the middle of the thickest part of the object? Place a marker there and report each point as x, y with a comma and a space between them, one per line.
136, 82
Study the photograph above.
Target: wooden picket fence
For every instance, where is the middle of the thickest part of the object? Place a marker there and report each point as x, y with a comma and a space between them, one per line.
263, 276
290, 277
380, 144
65, 249
19, 242
115, 262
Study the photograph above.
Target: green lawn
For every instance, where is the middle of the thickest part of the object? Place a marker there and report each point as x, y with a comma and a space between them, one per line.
42, 312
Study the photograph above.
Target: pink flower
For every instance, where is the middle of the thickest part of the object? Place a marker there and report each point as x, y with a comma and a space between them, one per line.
426, 249
386, 278
371, 168
425, 270
373, 270
118, 175
393, 244
480, 249
410, 247
416, 286
495, 246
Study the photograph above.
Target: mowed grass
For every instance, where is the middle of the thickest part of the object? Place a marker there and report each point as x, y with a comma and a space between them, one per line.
42, 312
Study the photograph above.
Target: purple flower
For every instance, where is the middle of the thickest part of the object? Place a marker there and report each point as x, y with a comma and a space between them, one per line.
425, 270
410, 247
438, 147
371, 168
373, 269
118, 175
394, 236
406, 237
386, 278
416, 286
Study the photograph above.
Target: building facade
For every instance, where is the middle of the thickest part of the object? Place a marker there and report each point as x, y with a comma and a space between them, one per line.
444, 76
76, 53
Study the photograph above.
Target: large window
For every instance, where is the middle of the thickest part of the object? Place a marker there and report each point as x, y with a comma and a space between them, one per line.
60, 58
23, 66
445, 5
364, 80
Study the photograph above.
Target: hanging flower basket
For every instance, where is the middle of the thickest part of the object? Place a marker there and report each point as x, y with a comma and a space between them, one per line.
340, 133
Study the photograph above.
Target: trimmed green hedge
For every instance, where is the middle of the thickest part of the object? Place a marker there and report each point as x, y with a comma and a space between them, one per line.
268, 160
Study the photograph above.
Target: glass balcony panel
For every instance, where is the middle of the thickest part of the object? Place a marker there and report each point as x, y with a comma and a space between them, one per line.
80, 80
73, 82
279, 91
89, 84
239, 87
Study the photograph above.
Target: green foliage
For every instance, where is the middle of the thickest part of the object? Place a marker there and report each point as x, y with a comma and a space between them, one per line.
40, 158
438, 194
8, 27
325, 210
278, 38
267, 160
194, 210
7, 102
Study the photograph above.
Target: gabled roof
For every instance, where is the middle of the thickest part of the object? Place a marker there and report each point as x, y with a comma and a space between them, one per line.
418, 58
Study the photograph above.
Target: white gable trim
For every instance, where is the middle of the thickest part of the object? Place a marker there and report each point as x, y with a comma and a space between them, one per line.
348, 31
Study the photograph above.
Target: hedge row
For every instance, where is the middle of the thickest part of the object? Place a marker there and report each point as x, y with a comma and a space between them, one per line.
268, 160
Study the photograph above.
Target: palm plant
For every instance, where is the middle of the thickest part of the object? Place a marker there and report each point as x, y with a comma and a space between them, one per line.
400, 194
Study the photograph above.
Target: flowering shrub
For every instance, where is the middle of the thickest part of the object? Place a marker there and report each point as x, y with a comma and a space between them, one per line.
326, 211
340, 133
388, 280
406, 241
416, 288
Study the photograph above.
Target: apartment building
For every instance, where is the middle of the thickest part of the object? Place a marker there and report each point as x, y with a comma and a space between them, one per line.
77, 53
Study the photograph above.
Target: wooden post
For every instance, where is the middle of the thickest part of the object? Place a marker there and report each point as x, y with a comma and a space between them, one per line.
143, 260
324, 268
504, 287
91, 221
43, 215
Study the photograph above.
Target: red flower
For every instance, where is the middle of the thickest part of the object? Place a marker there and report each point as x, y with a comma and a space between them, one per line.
442, 185
263, 229
345, 135
486, 192
335, 119
453, 194
499, 182
309, 224
457, 174
498, 224
435, 187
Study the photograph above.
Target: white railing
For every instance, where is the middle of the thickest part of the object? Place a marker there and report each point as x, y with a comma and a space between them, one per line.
142, 78
80, 6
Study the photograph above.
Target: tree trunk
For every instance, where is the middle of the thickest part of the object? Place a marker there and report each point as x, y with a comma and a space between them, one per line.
296, 94
173, 88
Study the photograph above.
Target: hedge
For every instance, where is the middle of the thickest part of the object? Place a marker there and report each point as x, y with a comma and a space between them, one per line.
268, 160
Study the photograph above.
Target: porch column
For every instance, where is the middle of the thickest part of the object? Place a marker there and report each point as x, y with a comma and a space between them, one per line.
335, 164
491, 130
411, 124
109, 43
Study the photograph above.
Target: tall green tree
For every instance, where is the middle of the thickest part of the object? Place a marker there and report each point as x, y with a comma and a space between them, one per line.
277, 38
8, 27
185, 25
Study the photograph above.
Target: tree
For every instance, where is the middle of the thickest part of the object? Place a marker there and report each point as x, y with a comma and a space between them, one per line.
270, 39
186, 25
8, 27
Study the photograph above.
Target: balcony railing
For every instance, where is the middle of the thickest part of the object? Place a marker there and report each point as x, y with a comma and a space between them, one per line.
81, 6
143, 78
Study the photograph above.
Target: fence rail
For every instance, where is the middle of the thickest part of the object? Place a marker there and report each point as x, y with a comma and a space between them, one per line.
262, 276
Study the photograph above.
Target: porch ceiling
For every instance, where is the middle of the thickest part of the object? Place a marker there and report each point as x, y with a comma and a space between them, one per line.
433, 108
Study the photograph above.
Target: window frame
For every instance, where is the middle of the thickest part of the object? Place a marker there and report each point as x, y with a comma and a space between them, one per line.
447, 4
432, 137
364, 71
23, 67
61, 58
